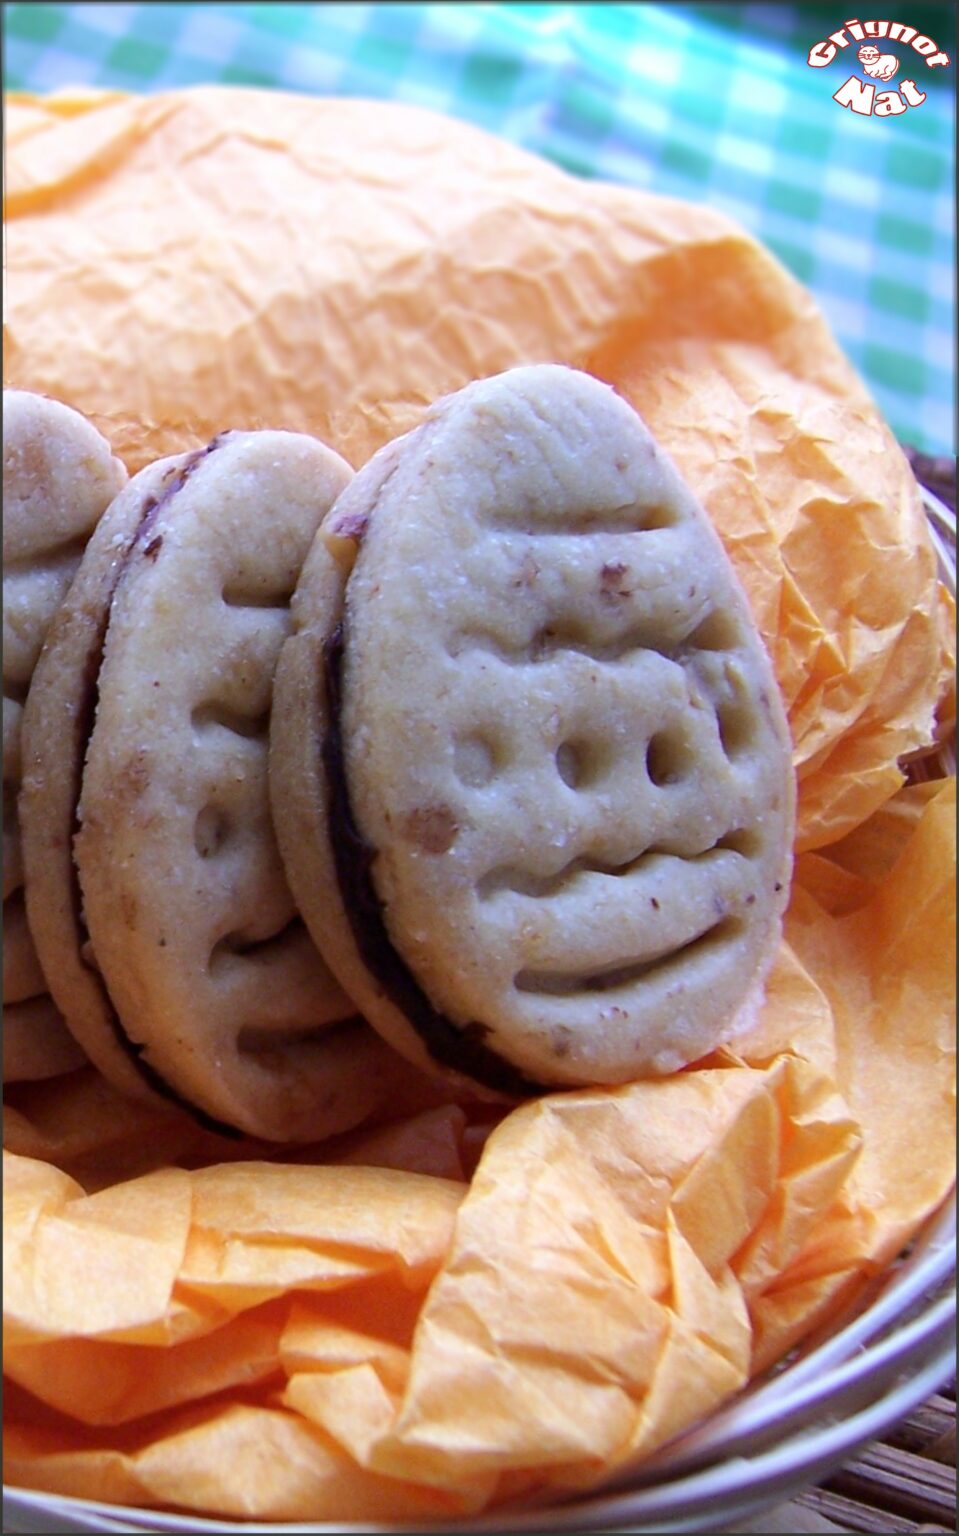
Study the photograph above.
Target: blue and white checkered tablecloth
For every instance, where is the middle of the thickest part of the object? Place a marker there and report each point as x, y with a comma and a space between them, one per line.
713, 102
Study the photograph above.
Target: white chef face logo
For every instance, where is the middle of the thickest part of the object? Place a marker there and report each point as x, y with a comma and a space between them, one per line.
861, 96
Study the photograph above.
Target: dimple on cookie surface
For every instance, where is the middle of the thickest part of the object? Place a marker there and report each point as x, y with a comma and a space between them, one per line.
214, 977
561, 736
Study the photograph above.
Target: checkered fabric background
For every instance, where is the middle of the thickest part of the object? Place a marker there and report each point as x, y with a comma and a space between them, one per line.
708, 102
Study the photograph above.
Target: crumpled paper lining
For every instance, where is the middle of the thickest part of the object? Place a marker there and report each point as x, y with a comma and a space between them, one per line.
184, 262
277, 1341
455, 1309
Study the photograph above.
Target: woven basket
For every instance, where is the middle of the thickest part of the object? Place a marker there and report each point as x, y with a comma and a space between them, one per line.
847, 1384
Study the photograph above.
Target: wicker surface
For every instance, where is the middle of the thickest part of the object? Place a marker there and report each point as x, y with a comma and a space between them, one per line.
904, 1482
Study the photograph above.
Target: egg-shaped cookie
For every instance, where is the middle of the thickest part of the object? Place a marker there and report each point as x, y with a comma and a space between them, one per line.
537, 751
190, 974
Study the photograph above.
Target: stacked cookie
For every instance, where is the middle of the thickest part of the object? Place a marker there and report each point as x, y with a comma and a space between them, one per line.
58, 477
531, 774
154, 888
479, 748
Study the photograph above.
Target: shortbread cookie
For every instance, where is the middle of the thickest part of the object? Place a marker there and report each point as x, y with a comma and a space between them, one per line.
58, 719
37, 1043
540, 753
209, 986
58, 476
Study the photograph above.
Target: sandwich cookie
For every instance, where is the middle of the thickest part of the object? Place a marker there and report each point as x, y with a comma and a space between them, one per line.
536, 753
189, 974
59, 475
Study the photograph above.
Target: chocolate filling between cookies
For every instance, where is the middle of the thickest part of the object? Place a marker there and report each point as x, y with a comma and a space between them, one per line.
462, 1049
152, 506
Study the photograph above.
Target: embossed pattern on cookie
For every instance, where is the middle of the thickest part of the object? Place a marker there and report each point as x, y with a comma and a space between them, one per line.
57, 722
215, 982
559, 742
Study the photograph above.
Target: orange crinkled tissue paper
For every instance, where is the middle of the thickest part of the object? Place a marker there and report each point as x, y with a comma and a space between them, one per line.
453, 1309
